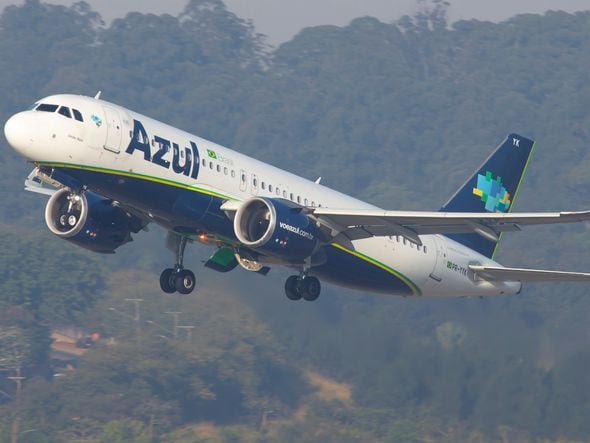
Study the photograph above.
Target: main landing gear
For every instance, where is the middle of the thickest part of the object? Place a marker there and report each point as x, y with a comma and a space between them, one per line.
178, 278
302, 286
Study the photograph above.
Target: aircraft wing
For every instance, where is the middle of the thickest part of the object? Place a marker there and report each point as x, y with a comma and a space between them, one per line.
527, 275
357, 224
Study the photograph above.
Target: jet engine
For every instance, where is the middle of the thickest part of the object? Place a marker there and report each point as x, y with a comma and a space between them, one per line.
277, 228
90, 221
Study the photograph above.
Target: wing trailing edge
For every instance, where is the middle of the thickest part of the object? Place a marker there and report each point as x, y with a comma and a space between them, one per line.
357, 224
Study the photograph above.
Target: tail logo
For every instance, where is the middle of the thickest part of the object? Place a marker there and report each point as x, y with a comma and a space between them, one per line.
492, 192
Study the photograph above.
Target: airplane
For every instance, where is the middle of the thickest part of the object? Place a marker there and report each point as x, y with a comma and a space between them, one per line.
110, 171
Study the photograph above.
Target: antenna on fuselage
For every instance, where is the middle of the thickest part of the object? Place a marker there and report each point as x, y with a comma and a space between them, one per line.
97, 96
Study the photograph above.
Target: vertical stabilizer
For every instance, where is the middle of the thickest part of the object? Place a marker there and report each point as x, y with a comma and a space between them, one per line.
492, 188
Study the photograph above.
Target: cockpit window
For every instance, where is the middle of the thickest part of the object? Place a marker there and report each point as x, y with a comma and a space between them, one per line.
77, 115
46, 108
32, 107
65, 111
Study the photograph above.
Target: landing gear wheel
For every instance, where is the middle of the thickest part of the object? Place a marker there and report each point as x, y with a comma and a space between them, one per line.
167, 283
177, 278
311, 288
292, 288
184, 281
306, 287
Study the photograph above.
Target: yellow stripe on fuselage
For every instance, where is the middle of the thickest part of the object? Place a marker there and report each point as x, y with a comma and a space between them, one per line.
135, 175
413, 287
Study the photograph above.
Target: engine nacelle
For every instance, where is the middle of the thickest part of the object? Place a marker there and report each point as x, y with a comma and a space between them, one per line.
277, 228
89, 221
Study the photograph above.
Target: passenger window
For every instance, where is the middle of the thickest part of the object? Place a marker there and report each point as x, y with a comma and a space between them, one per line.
204, 163
263, 185
305, 202
291, 197
233, 173
405, 241
65, 111
218, 168
269, 188
278, 191
243, 177
46, 108
284, 193
299, 199
425, 249
210, 165
225, 171
312, 204
77, 115
255, 182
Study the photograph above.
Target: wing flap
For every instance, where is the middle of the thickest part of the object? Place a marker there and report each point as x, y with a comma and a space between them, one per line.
528, 275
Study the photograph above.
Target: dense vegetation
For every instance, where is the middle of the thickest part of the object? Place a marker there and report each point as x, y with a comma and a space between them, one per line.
397, 114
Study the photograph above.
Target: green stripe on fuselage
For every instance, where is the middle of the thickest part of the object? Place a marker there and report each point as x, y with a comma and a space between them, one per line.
413, 287
134, 175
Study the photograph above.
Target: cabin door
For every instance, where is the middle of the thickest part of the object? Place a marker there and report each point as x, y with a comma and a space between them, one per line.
114, 130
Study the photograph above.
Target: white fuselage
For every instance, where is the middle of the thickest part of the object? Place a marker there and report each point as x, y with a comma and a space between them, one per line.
101, 143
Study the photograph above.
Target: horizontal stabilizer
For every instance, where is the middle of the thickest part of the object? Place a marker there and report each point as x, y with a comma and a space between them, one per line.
528, 275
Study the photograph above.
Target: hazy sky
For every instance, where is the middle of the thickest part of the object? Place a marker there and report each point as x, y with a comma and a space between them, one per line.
281, 19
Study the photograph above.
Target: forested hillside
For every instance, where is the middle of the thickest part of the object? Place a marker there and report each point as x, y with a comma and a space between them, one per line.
397, 114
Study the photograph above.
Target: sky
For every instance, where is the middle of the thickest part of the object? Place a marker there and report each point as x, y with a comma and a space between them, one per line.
280, 20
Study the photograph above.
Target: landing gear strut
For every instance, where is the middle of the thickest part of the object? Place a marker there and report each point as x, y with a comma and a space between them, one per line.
178, 278
302, 286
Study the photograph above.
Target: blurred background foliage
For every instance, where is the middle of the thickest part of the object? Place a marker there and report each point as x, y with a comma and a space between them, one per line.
398, 114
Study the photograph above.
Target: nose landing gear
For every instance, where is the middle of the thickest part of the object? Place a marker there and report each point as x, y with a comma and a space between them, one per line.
302, 286
177, 278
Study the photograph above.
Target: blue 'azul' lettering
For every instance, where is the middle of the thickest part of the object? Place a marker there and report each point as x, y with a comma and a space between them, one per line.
176, 167
163, 148
197, 160
140, 141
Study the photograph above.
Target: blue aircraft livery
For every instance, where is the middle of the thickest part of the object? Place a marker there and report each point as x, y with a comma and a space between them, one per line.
492, 193
482, 192
256, 216
141, 142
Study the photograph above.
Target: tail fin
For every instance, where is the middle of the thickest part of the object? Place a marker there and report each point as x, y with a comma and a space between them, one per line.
492, 188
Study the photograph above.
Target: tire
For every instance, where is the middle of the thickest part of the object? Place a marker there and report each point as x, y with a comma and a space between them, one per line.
312, 288
167, 283
292, 288
185, 281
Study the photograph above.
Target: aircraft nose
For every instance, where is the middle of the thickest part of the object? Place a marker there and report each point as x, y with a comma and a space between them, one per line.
17, 133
